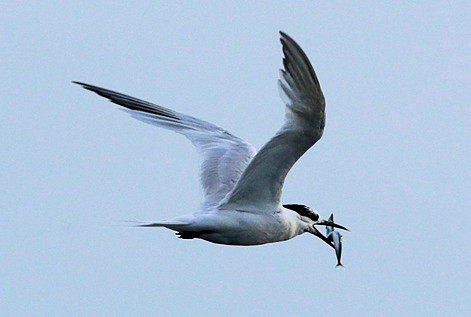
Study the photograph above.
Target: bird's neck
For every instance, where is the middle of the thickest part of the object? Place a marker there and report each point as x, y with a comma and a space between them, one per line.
293, 221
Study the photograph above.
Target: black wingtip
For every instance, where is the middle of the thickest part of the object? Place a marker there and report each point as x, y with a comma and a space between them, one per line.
86, 86
78, 83
98, 90
130, 102
284, 36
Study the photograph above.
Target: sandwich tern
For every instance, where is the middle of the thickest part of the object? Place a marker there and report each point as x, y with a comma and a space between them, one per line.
242, 187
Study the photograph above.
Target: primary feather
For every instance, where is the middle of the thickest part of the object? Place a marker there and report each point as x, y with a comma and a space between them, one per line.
224, 156
261, 183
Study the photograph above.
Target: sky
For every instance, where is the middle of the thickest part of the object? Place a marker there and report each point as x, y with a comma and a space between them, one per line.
393, 164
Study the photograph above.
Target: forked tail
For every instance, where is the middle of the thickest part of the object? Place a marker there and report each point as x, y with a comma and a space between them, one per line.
172, 225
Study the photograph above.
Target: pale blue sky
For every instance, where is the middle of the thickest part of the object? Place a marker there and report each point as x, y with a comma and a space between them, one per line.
393, 165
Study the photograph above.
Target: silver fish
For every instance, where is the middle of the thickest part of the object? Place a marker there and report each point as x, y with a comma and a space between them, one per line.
336, 238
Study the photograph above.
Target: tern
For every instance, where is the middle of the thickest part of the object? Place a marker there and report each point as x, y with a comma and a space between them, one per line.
242, 187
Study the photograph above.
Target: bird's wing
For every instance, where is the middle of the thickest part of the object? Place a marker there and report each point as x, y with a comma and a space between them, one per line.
224, 156
259, 187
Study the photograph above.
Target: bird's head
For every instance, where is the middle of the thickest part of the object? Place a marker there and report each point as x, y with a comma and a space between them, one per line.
311, 218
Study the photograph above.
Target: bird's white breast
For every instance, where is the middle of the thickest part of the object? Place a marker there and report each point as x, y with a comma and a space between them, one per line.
245, 228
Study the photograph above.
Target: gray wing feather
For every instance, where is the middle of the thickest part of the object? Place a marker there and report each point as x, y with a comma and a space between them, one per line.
260, 186
224, 156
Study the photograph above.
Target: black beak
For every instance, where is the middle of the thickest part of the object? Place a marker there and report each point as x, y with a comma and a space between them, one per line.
330, 224
318, 234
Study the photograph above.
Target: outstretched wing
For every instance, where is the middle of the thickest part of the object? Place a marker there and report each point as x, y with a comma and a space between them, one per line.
224, 156
259, 187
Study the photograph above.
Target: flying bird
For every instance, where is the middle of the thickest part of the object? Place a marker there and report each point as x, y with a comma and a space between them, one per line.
242, 187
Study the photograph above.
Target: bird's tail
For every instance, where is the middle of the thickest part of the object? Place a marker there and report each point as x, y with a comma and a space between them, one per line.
172, 225
339, 265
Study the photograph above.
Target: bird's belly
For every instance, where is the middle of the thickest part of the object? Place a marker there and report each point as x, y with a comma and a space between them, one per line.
246, 229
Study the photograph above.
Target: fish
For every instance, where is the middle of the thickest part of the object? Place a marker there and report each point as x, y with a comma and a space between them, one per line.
336, 238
